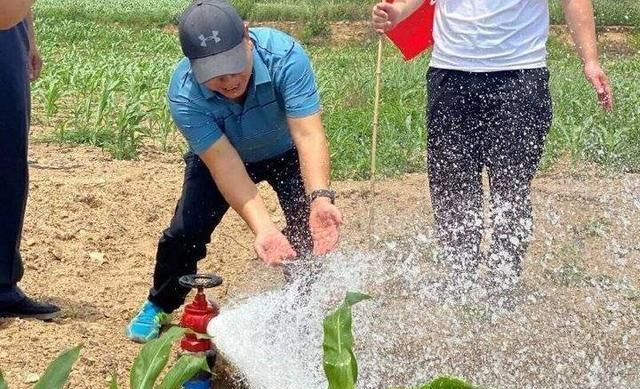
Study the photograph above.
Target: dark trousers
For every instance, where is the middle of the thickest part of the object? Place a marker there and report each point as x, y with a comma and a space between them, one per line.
202, 206
14, 128
494, 121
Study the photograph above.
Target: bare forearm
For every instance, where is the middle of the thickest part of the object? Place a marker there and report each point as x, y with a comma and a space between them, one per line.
313, 151
13, 11
230, 175
579, 16
314, 163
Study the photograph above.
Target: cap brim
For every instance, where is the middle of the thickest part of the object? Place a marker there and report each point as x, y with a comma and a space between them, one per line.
229, 62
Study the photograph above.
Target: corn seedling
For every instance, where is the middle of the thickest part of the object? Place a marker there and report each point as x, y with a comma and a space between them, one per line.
148, 365
340, 364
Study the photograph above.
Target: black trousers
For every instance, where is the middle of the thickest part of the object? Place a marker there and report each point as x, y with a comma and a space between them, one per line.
494, 121
202, 206
14, 129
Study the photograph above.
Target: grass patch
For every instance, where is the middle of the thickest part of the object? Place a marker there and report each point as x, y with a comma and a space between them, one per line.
580, 128
607, 12
162, 12
134, 12
304, 10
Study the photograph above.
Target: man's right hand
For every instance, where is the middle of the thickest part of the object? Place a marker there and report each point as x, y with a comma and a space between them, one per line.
385, 16
273, 247
238, 189
600, 82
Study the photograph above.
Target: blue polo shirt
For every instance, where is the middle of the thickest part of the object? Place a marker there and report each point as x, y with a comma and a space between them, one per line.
282, 85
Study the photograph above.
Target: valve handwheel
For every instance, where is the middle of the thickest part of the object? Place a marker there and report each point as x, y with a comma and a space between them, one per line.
200, 281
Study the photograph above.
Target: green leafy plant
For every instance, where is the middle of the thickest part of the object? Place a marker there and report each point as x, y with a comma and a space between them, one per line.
153, 358
340, 364
317, 28
447, 383
148, 365
56, 374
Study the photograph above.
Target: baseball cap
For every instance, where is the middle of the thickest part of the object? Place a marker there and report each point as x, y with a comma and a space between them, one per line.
212, 37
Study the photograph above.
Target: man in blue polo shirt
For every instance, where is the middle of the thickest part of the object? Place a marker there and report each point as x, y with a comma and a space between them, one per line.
247, 103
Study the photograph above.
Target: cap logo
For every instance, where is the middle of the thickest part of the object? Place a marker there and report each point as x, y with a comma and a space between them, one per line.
214, 37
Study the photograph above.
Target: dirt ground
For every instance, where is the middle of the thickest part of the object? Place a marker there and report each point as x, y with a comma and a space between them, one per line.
92, 225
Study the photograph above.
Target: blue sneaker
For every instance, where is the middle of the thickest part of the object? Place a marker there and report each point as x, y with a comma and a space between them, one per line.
145, 326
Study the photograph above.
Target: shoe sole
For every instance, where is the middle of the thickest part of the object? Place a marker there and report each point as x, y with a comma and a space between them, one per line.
39, 316
139, 340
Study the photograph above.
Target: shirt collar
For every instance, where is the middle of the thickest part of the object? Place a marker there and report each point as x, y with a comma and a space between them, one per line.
260, 72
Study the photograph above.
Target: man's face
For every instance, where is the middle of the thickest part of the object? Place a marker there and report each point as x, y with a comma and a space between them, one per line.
234, 86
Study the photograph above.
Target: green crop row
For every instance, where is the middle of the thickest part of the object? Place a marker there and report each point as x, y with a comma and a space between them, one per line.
105, 85
162, 12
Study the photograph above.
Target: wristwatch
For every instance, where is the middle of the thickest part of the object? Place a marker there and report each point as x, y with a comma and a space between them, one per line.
328, 193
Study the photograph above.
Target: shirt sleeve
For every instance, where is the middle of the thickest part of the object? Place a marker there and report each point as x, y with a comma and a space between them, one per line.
199, 129
297, 84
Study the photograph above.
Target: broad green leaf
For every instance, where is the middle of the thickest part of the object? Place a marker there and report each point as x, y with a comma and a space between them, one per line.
57, 374
186, 367
340, 365
3, 384
114, 381
353, 298
152, 359
449, 383
444, 383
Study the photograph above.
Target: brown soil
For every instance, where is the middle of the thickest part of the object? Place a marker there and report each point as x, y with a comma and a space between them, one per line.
92, 225
615, 40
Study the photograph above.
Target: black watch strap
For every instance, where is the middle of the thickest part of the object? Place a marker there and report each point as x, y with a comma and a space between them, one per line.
328, 193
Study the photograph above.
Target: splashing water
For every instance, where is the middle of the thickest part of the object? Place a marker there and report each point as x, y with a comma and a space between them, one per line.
570, 327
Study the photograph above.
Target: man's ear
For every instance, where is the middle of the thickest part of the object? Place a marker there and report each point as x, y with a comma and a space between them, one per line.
247, 37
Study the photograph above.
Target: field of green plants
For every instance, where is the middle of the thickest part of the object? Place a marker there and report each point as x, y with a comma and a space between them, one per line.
160, 12
107, 65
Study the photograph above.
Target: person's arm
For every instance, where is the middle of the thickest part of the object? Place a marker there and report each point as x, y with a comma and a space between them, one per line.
386, 16
297, 85
13, 12
313, 151
310, 140
34, 59
233, 181
579, 16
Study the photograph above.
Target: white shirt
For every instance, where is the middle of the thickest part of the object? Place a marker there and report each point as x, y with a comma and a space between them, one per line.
490, 35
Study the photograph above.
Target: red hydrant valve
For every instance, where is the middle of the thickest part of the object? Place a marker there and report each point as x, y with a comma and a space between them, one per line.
195, 318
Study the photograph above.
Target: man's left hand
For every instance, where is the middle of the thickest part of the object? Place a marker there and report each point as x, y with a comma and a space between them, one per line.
600, 82
34, 66
325, 221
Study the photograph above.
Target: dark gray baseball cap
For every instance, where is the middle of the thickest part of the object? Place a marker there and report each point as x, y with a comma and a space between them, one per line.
212, 37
